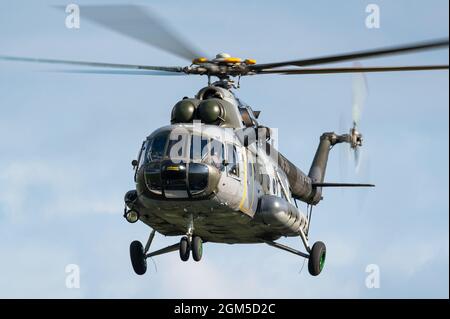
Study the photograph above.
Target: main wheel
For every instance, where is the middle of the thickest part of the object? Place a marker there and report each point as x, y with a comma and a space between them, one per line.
138, 259
317, 258
197, 248
185, 249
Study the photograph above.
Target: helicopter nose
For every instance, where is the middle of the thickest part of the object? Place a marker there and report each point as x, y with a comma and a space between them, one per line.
174, 180
182, 180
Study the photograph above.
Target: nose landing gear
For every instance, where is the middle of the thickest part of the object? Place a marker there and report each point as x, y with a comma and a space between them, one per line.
185, 250
195, 245
190, 242
197, 248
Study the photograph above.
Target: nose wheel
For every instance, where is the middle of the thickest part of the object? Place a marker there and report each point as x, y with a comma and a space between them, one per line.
185, 250
197, 248
195, 245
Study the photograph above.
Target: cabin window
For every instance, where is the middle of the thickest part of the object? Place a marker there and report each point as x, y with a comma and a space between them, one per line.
283, 195
250, 167
265, 183
233, 160
283, 185
217, 152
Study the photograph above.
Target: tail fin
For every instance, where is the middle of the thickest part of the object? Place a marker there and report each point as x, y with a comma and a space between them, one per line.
319, 164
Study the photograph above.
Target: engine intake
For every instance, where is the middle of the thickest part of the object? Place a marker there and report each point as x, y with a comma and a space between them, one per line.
184, 111
211, 111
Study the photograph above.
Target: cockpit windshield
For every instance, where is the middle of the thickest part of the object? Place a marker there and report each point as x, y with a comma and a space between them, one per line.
177, 147
206, 150
184, 146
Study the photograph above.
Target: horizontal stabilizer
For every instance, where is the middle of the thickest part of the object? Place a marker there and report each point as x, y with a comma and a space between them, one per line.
341, 185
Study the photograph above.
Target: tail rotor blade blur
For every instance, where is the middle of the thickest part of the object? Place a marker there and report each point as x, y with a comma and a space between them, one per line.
357, 158
360, 92
364, 174
344, 154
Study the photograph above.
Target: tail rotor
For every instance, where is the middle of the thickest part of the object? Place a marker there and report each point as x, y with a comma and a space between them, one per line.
359, 97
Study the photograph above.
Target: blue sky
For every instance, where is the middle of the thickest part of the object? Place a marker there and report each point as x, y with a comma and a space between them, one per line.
67, 140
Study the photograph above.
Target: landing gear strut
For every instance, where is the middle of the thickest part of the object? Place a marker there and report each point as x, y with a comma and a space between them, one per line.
316, 255
139, 253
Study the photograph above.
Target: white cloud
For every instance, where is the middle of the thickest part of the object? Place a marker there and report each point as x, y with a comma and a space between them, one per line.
58, 190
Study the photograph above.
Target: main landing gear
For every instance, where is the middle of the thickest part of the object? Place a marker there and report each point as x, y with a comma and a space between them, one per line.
187, 244
316, 259
138, 258
316, 255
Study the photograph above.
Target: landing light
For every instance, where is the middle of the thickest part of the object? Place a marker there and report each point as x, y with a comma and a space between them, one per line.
132, 216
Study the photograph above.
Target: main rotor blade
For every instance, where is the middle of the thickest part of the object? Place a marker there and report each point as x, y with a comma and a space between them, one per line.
93, 64
120, 72
355, 69
429, 45
141, 24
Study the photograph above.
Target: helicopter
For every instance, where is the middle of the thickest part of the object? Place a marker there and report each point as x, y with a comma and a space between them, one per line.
214, 174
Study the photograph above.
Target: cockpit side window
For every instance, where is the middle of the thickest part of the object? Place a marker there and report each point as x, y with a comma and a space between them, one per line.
142, 152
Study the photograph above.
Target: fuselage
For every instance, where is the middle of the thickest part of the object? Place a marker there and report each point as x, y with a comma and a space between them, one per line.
203, 173
215, 169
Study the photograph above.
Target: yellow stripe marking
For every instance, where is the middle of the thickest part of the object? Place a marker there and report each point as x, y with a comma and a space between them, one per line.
244, 194
253, 186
